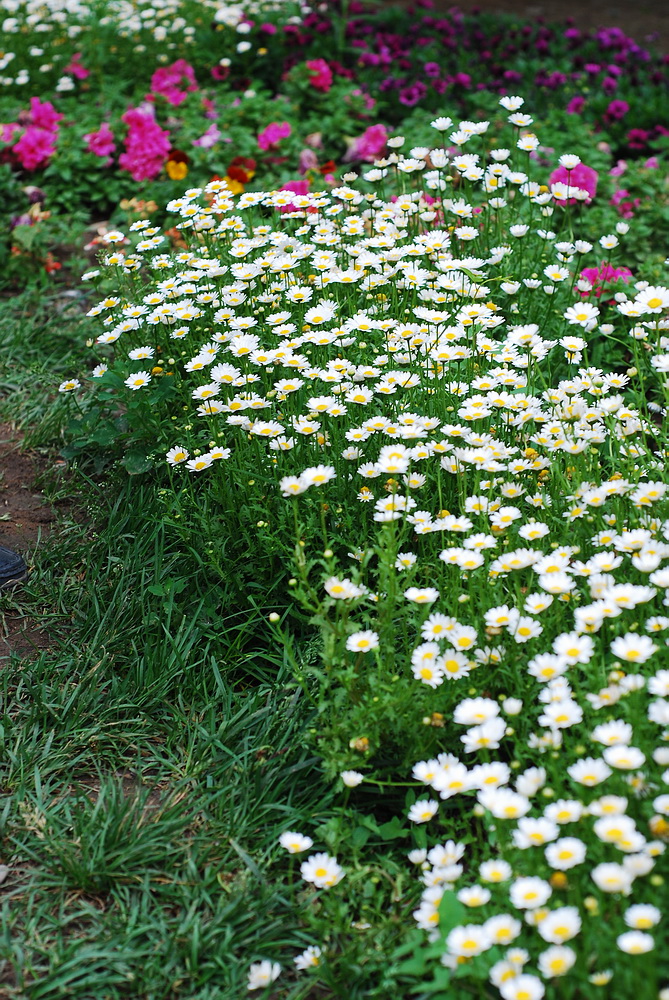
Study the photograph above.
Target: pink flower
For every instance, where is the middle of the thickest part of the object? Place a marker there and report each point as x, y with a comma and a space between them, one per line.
44, 115
581, 176
273, 134
603, 275
210, 137
307, 161
619, 169
35, 147
146, 143
220, 72
297, 187
321, 75
101, 142
369, 146
167, 80
75, 68
8, 131
625, 205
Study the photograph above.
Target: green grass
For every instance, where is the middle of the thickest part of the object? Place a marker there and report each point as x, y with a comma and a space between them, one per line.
153, 753
149, 757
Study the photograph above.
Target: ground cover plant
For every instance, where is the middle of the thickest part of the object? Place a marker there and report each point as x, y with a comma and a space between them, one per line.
359, 681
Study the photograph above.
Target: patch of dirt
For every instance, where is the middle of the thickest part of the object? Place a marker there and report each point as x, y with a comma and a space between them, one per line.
26, 519
646, 21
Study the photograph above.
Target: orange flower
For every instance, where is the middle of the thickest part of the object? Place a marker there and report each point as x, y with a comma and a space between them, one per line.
176, 170
236, 187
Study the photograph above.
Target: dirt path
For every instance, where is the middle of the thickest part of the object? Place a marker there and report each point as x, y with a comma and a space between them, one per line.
644, 20
25, 520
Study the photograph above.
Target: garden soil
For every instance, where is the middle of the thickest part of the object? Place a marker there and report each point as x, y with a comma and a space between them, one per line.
26, 518
646, 21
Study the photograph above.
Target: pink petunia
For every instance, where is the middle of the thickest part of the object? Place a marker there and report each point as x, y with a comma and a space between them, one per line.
44, 115
369, 146
35, 147
147, 145
75, 68
273, 134
604, 275
624, 204
101, 142
321, 75
581, 176
7, 131
167, 81
210, 137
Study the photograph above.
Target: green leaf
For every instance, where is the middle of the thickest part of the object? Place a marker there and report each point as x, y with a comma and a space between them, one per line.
136, 462
451, 912
360, 836
393, 829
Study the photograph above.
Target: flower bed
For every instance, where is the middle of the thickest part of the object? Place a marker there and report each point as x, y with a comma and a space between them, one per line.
82, 134
436, 391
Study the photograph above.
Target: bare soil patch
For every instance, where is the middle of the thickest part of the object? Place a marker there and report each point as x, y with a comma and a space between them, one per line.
26, 518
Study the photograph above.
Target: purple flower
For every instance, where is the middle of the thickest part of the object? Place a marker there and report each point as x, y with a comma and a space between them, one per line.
575, 106
617, 110
410, 96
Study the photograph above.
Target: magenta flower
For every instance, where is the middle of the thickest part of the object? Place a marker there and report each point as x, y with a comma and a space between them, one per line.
581, 176
625, 205
35, 147
146, 143
320, 75
616, 110
273, 134
307, 161
7, 131
75, 68
167, 80
575, 106
369, 146
605, 274
297, 187
101, 142
44, 115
